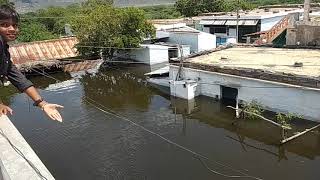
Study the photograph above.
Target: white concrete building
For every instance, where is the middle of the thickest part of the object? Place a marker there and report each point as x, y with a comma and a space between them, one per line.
283, 98
150, 54
182, 34
255, 74
154, 54
224, 27
170, 38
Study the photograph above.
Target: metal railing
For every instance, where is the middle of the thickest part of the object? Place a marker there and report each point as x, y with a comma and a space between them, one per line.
274, 32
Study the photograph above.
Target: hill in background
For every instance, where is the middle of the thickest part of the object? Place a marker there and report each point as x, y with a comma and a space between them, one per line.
31, 5
122, 3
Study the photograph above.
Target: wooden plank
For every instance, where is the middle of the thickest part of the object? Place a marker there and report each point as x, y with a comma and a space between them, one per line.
263, 118
299, 134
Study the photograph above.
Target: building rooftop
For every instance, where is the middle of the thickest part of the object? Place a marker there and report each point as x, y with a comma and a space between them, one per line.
163, 30
256, 14
271, 60
43, 50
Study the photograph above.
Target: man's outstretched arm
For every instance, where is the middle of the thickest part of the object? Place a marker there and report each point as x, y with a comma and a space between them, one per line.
50, 109
24, 85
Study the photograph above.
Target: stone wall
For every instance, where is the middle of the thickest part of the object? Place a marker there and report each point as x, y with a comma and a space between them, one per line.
308, 35
304, 34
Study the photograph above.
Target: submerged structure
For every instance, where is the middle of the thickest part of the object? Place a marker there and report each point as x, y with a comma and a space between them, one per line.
281, 80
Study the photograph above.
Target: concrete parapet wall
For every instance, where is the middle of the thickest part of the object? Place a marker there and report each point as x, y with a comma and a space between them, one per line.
14, 166
308, 35
261, 74
304, 34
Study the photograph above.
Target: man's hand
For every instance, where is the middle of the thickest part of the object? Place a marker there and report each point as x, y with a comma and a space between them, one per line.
51, 111
4, 110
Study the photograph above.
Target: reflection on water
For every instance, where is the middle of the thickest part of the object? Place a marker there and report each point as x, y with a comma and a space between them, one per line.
92, 145
122, 88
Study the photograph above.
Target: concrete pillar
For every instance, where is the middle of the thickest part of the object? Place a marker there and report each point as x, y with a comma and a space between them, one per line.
291, 37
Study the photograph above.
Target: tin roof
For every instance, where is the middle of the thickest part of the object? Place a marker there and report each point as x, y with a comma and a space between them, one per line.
252, 15
43, 50
185, 29
230, 22
82, 66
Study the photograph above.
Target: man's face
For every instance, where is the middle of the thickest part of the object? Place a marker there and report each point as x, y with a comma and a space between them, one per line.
9, 30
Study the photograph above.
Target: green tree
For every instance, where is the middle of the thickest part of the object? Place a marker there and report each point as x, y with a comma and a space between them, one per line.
95, 3
6, 2
111, 29
161, 12
191, 8
53, 18
34, 31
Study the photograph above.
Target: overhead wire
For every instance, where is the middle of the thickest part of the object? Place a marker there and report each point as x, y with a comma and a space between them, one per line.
106, 110
149, 131
114, 47
208, 83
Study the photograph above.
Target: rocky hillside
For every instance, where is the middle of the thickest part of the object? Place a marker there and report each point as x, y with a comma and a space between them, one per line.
142, 2
31, 5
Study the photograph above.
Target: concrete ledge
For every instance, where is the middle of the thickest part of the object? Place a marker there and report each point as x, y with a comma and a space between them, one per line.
287, 78
13, 166
248, 78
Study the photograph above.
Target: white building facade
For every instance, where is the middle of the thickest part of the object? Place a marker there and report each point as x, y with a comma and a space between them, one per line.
170, 38
277, 97
225, 27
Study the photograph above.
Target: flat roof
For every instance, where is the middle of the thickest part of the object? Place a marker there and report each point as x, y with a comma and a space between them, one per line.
272, 60
255, 14
154, 46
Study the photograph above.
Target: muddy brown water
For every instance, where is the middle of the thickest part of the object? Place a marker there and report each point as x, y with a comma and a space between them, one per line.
90, 144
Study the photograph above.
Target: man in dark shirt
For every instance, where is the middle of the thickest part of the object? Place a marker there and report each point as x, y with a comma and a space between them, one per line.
9, 30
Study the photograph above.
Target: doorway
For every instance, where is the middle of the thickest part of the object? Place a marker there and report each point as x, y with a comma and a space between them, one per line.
229, 96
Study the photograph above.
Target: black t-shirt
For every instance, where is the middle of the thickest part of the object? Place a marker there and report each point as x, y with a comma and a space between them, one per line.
10, 71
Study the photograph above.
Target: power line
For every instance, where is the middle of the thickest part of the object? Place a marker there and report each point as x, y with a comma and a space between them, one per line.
49, 17
106, 110
175, 144
176, 46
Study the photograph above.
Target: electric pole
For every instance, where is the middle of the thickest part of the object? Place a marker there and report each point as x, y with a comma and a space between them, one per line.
237, 31
306, 16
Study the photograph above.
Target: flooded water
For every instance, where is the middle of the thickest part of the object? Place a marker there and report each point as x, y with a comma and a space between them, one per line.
90, 144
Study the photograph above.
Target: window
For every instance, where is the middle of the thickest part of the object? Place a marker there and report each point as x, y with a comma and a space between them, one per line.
221, 29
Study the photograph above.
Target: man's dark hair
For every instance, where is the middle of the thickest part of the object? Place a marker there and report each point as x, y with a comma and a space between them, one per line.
7, 12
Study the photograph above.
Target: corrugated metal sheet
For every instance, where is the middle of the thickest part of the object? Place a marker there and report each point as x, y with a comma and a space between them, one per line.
43, 50
82, 66
250, 22
206, 22
231, 23
185, 29
219, 22
242, 23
